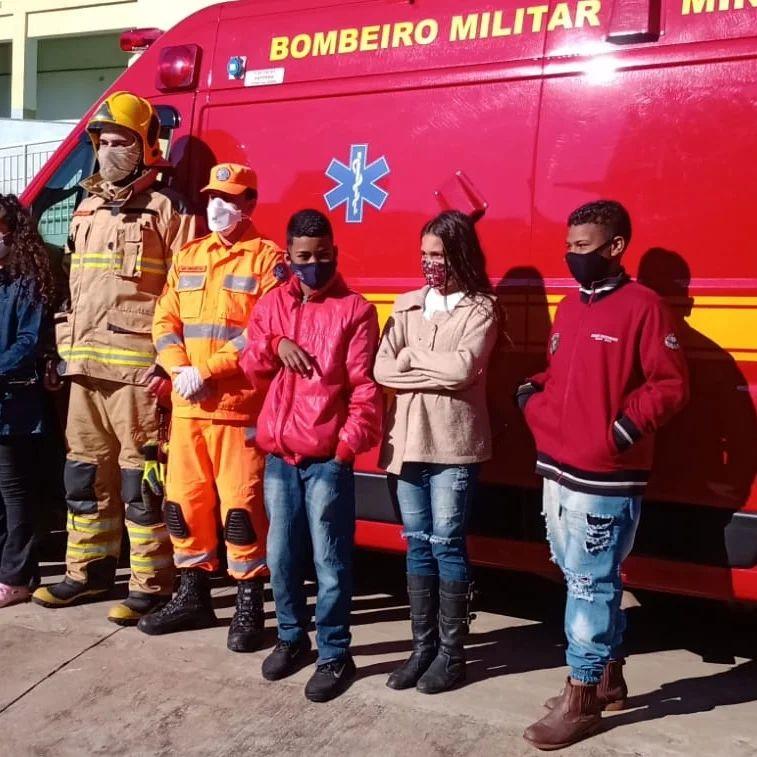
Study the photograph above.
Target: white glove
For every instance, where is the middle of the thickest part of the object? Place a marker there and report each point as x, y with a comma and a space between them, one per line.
187, 382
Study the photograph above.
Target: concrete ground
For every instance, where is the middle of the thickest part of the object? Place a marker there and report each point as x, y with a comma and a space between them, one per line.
73, 684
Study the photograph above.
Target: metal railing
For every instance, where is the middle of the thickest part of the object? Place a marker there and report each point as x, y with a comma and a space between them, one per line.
20, 163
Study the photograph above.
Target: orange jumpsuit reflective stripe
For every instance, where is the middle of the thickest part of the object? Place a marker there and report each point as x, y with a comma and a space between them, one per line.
200, 320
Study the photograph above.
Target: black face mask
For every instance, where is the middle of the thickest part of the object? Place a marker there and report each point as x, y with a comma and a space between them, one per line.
315, 275
590, 267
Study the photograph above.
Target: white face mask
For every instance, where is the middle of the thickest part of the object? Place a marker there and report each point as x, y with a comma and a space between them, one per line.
222, 216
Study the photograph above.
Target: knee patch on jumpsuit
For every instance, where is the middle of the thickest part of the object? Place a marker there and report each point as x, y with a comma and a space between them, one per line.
144, 511
79, 480
238, 529
177, 525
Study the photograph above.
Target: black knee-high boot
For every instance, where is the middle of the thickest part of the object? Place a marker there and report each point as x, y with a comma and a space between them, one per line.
423, 592
448, 668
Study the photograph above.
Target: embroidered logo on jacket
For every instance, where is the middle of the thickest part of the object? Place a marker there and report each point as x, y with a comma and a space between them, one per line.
671, 342
554, 343
606, 338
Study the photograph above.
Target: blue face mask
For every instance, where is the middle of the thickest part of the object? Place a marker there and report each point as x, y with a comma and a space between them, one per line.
314, 275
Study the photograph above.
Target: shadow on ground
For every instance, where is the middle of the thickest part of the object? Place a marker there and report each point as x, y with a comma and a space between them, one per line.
717, 632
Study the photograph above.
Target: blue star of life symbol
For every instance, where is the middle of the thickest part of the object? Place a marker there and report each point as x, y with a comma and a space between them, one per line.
356, 183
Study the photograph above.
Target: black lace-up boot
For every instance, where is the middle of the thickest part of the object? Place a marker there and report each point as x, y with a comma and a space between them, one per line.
246, 629
190, 609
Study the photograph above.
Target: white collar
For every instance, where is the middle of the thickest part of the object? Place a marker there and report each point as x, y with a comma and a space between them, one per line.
436, 302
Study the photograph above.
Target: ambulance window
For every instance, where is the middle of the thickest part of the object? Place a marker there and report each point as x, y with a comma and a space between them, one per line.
169, 120
58, 199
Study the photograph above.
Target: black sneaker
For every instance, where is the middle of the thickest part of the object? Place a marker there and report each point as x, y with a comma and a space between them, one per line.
286, 658
330, 680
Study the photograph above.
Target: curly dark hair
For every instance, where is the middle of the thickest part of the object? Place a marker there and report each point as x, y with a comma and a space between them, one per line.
28, 258
608, 213
308, 223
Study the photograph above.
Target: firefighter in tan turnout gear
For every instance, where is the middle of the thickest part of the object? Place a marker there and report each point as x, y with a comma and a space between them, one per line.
122, 239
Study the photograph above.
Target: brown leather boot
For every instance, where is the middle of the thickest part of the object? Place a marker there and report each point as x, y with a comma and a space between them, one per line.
612, 690
577, 716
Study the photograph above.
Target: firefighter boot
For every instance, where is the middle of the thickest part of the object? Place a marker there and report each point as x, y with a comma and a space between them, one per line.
190, 609
67, 593
612, 690
423, 592
246, 629
136, 606
448, 668
577, 715
100, 577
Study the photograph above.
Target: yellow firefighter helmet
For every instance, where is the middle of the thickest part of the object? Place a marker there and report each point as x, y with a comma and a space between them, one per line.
133, 113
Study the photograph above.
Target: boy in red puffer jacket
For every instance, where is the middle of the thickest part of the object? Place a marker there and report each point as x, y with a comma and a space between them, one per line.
314, 340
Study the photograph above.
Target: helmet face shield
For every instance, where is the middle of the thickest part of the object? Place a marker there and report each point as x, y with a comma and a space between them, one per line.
135, 114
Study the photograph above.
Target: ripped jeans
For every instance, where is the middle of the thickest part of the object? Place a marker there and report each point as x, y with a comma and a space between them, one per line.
590, 535
435, 502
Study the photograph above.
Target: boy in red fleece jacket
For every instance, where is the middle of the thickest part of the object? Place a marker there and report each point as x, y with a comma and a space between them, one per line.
616, 374
314, 340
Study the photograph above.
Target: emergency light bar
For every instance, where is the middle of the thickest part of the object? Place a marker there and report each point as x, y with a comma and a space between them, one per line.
137, 40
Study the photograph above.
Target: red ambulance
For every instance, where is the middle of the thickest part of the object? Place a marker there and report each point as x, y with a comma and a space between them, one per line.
381, 112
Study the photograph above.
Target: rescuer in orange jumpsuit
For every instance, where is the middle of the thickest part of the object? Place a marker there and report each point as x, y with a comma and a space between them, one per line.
199, 332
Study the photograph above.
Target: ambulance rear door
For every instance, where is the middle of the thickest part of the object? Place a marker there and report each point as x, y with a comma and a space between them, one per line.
654, 106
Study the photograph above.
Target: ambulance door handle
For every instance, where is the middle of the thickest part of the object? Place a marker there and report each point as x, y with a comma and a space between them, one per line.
635, 21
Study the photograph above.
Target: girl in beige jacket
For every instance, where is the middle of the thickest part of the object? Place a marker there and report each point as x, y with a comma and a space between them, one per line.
434, 354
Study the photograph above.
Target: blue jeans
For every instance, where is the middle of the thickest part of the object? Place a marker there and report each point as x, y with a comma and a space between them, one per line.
590, 535
435, 503
311, 504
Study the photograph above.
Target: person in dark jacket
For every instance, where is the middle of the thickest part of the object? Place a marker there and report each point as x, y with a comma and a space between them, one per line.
26, 288
616, 374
